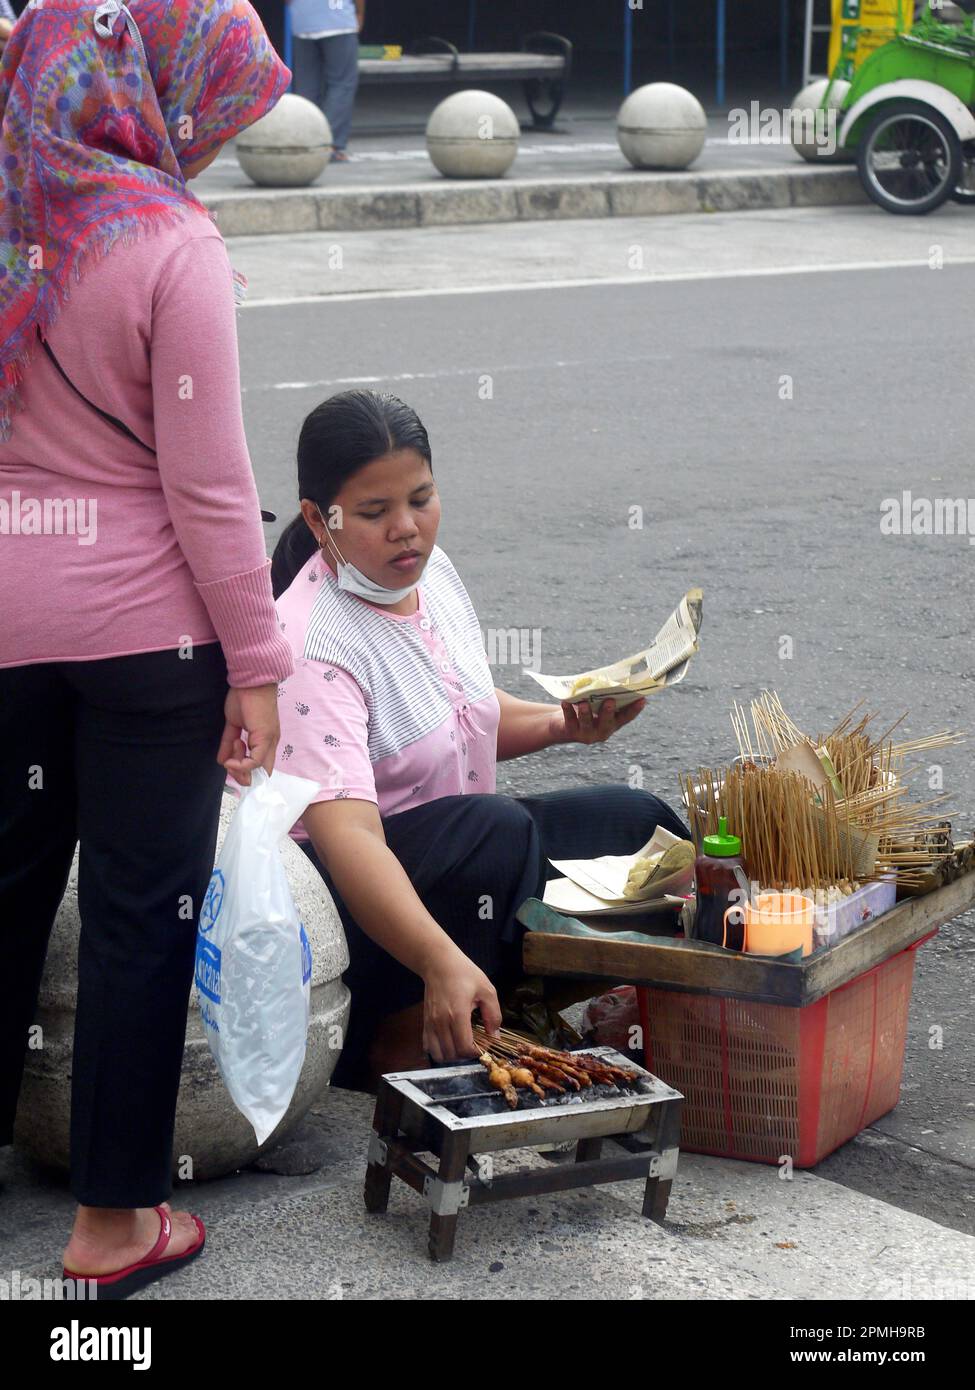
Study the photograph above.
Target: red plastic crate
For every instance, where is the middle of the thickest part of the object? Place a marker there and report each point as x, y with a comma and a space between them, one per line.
762, 1081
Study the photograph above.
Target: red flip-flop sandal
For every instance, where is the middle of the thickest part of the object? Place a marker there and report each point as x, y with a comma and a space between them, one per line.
120, 1283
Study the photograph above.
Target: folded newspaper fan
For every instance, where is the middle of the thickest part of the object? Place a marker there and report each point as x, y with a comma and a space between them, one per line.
661, 664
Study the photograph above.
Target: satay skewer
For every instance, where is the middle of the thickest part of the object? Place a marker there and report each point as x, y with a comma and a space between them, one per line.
500, 1078
582, 1068
553, 1073
549, 1084
522, 1076
559, 1062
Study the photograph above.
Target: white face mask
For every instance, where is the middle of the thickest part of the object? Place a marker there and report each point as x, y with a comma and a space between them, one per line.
355, 582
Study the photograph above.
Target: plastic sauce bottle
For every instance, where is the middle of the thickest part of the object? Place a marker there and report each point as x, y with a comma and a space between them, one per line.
719, 875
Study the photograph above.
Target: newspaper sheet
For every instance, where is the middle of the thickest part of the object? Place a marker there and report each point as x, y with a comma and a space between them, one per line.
661, 664
594, 886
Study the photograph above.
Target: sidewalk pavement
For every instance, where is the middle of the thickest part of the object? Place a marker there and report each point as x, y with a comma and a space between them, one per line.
576, 170
733, 1231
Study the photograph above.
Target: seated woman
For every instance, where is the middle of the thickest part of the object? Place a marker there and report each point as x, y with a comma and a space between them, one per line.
392, 708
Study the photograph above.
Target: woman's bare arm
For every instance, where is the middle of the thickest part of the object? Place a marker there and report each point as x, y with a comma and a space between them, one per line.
348, 837
526, 726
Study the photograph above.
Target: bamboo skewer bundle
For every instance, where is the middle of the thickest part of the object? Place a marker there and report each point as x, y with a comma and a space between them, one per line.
797, 835
788, 841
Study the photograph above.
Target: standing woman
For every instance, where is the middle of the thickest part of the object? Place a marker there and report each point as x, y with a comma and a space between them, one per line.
138, 635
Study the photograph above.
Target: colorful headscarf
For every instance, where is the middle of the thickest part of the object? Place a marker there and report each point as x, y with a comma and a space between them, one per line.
102, 106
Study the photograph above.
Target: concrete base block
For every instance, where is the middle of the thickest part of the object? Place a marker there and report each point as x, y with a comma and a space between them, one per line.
211, 1133
549, 201
488, 202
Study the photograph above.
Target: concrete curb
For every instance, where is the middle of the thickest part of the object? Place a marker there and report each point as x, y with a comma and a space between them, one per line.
446, 203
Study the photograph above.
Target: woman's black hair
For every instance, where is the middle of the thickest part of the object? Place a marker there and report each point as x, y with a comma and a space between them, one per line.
341, 435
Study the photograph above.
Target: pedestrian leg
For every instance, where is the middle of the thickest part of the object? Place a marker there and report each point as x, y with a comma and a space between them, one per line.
341, 68
37, 844
307, 70
149, 793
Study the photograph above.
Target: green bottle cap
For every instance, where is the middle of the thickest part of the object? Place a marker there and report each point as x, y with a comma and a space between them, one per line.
722, 845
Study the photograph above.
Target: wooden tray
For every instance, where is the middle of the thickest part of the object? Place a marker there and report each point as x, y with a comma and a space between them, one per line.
697, 966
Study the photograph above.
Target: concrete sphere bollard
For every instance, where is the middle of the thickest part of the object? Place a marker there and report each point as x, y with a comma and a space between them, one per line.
806, 129
473, 135
661, 126
210, 1130
287, 148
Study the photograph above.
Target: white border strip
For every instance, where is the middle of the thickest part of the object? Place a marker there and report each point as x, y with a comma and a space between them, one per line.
667, 278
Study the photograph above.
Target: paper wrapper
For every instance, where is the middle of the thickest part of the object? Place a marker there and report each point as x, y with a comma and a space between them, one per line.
661, 664
594, 886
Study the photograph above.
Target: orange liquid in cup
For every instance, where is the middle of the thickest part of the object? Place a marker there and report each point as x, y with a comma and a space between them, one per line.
776, 923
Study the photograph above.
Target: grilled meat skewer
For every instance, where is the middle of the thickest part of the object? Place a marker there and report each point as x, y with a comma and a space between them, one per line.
619, 1074
500, 1078
553, 1073
522, 1076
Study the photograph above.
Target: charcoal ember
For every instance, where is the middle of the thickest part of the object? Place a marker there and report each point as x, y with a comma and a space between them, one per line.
443, 1087
480, 1105
644, 1086
447, 1086
527, 1100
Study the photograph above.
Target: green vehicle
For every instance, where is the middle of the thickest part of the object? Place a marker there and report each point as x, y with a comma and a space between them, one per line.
909, 114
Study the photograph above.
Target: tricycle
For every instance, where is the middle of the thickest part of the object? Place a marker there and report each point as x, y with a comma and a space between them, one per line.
908, 115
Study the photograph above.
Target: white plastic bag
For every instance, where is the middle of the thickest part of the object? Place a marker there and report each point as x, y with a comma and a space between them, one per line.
253, 959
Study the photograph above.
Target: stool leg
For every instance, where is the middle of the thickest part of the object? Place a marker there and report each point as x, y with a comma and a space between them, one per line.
385, 1124
453, 1162
657, 1192
588, 1148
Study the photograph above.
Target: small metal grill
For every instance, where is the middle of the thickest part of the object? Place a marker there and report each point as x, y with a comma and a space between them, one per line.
451, 1113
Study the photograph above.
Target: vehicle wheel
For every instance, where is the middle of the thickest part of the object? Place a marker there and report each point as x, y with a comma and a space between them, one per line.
964, 189
909, 158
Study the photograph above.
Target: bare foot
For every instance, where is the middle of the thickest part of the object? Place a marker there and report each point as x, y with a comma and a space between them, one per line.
109, 1241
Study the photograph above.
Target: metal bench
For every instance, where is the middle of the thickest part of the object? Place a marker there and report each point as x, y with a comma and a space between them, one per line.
543, 66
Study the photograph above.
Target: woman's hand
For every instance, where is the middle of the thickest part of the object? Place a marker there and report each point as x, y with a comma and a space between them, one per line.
454, 988
576, 724
254, 708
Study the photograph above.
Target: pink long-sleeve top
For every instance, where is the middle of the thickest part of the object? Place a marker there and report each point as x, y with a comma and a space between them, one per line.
109, 549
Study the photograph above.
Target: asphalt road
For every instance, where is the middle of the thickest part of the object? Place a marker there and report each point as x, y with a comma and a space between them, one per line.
670, 395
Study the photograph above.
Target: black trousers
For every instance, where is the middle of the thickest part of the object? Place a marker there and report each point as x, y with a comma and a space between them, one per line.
473, 860
120, 754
